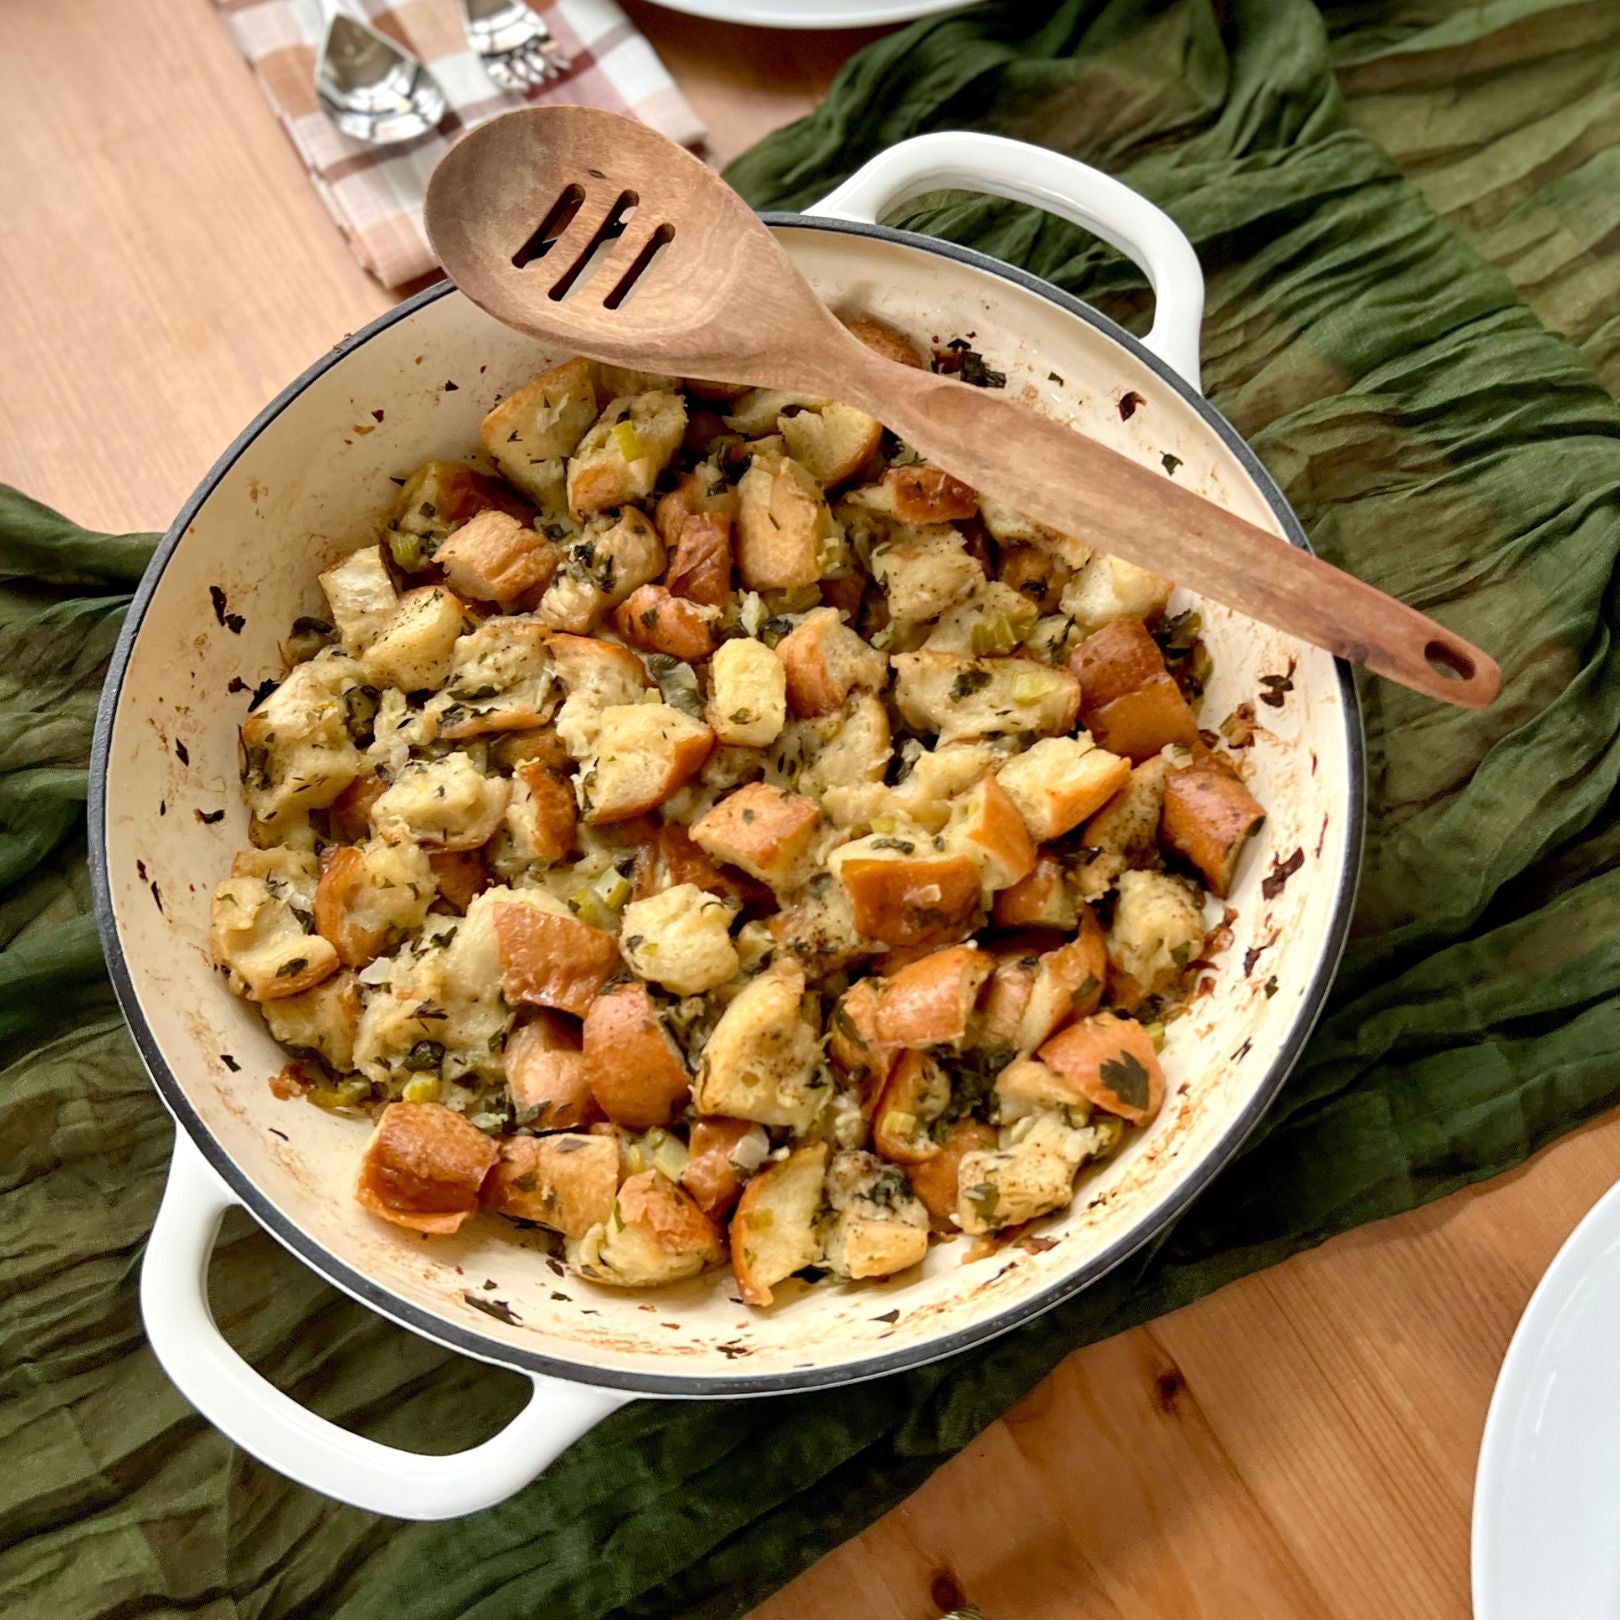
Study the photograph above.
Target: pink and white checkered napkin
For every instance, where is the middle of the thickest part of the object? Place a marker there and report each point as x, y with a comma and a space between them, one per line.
375, 193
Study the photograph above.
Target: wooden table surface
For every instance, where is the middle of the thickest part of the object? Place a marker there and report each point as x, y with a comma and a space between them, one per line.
1300, 1445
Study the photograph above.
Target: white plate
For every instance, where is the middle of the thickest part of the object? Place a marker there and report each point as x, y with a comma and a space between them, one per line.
1547, 1497
813, 13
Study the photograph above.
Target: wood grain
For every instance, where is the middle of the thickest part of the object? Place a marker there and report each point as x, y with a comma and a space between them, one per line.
1300, 1445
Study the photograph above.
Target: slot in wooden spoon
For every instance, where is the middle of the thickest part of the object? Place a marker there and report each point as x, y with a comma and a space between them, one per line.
605, 239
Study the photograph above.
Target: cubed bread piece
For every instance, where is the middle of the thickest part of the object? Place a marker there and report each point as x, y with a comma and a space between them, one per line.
566, 1182
1036, 575
994, 619
551, 961
615, 553
445, 803
916, 1093
760, 1061
1158, 929
928, 1002
414, 648
1124, 832
670, 858
349, 814
960, 697
500, 680
925, 494
1036, 990
887, 341
747, 693
680, 939
644, 751
1058, 781
1035, 1174
621, 456
1114, 661
783, 526
257, 936
825, 661
818, 930
596, 675
853, 1042
764, 830
840, 750
831, 441
532, 432
653, 618
700, 569
320, 1022
773, 1233
436, 500
906, 893
371, 896
936, 1181
1128, 700
924, 796
655, 1234
1112, 1061
986, 825
1109, 588
1008, 528
717, 1153
423, 1167
494, 558
878, 1224
636, 1071
703, 492
298, 752
924, 572
461, 874
755, 412
546, 1074
542, 819
1028, 1086
1208, 819
1044, 899
360, 596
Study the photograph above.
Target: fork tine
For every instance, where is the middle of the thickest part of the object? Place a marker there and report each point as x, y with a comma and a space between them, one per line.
502, 75
540, 69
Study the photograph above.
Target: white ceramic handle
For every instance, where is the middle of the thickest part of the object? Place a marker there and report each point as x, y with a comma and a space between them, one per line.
960, 160
295, 1442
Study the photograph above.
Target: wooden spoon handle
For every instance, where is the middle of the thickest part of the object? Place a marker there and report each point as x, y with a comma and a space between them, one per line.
1073, 483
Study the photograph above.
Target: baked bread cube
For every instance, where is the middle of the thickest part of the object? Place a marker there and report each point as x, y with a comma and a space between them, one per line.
960, 697
1057, 782
435, 501
654, 1234
551, 961
700, 567
615, 554
878, 1225
766, 831
832, 441
817, 929
298, 751
371, 896
924, 572
1036, 575
423, 1167
444, 803
500, 680
622, 454
461, 874
773, 1233
670, 857
825, 661
635, 1070
1036, 990
1158, 929
414, 648
1043, 899
1112, 1062
904, 892
656, 620
258, 936
853, 1042
760, 1061
925, 494
495, 558
936, 1181
716, 1158
993, 619
360, 596
1124, 833
747, 693
564, 1182
680, 938
1208, 819
1129, 701
320, 1022
1109, 588
784, 526
846, 749
546, 1073
644, 752
986, 825
595, 675
1009, 528
542, 819
1031, 1176
929, 1001
532, 432
916, 1093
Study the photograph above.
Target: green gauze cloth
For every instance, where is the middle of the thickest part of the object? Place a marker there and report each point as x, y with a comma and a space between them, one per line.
1406, 216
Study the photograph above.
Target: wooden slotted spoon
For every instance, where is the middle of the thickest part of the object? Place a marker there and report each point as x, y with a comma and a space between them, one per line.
550, 217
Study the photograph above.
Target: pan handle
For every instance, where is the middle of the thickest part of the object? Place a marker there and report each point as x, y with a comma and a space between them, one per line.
961, 160
279, 1432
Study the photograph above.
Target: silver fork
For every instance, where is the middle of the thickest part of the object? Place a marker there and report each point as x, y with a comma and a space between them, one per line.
517, 49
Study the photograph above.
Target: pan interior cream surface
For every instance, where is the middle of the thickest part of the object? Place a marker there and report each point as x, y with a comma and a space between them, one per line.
313, 482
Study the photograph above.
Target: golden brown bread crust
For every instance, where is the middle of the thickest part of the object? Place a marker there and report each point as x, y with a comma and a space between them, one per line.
423, 1167
1111, 1063
636, 1074
551, 961
1207, 819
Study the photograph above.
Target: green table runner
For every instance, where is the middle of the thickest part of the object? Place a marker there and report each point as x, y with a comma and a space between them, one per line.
1407, 214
